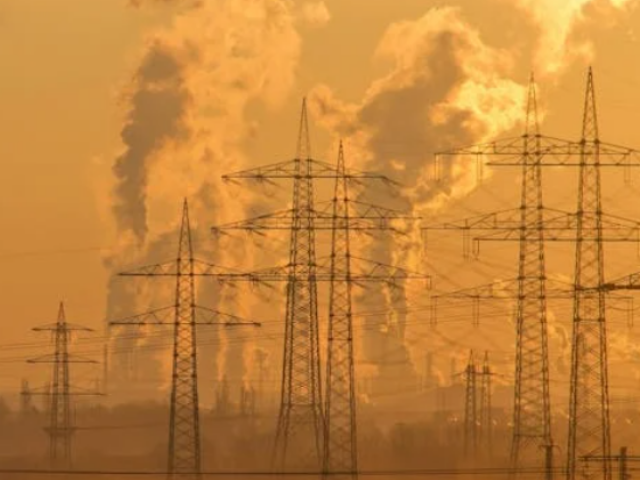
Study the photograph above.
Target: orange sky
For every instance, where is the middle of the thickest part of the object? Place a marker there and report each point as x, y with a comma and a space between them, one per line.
66, 63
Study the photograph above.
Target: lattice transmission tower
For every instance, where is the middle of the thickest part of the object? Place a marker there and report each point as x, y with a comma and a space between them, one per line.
341, 441
61, 428
301, 425
531, 226
184, 446
478, 428
486, 412
341, 438
532, 417
471, 424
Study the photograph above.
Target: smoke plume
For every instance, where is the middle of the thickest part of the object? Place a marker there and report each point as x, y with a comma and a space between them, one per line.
186, 123
445, 88
557, 22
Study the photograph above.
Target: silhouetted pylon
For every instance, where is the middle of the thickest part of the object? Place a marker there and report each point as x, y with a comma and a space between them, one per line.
471, 424
300, 421
589, 433
526, 225
589, 428
184, 455
486, 413
301, 426
532, 406
340, 448
61, 428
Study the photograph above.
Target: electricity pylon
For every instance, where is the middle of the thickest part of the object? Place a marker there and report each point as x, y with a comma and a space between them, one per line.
471, 425
301, 422
184, 455
589, 429
531, 225
486, 417
61, 428
478, 428
532, 417
341, 439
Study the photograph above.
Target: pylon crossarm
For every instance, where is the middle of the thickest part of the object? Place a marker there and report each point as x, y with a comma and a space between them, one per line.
368, 216
166, 316
563, 228
503, 225
159, 269
511, 219
369, 210
359, 210
502, 289
159, 316
505, 290
569, 154
257, 277
364, 216
362, 270
206, 269
502, 219
280, 273
280, 220
365, 270
513, 146
284, 169
170, 269
529, 149
44, 390
67, 359
69, 327
208, 316
480, 372
508, 290
290, 170
628, 282
320, 169
615, 297
600, 458
80, 391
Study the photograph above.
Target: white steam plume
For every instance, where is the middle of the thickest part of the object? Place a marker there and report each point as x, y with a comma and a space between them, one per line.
557, 22
445, 88
186, 123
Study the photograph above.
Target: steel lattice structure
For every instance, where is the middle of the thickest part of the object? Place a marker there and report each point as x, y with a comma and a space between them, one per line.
589, 429
531, 225
61, 427
184, 450
341, 449
471, 424
486, 413
532, 418
301, 425
478, 428
301, 387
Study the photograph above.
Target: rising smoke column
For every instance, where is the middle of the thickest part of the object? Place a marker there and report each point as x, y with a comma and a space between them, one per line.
557, 22
185, 125
446, 87
159, 104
